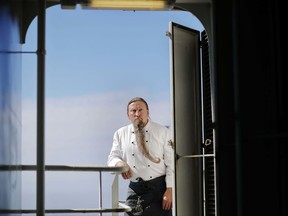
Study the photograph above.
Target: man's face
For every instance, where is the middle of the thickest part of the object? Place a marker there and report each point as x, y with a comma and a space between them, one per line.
138, 113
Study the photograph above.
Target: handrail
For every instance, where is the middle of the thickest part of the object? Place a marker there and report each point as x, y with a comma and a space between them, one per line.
100, 169
63, 168
57, 211
195, 156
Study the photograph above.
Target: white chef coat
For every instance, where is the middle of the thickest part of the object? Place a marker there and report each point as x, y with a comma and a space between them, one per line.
158, 142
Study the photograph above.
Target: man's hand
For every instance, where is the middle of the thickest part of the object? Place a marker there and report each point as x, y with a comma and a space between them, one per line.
125, 175
167, 199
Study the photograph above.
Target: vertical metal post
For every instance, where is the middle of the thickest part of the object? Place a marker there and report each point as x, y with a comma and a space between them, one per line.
100, 191
115, 194
41, 52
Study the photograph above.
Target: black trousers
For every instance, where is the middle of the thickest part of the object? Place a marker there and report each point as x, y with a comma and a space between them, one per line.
145, 197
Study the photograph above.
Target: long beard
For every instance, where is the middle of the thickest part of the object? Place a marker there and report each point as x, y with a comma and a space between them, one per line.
140, 138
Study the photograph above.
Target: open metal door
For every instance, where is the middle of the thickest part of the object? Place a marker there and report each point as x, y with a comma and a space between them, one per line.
186, 119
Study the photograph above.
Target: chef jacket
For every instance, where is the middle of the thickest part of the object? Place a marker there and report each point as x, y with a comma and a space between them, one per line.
159, 144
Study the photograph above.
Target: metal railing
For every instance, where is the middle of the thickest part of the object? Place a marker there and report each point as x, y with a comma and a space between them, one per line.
117, 206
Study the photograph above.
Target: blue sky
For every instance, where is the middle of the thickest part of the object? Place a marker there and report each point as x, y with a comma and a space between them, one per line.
96, 61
